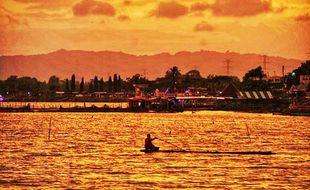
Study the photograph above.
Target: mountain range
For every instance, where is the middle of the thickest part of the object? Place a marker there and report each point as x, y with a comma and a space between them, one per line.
87, 64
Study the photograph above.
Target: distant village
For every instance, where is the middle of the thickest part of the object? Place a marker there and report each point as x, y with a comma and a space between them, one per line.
173, 92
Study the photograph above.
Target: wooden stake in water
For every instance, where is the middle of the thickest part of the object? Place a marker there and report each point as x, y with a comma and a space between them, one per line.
248, 132
49, 129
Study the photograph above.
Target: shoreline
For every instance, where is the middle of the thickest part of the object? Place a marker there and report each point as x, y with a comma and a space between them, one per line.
13, 107
95, 109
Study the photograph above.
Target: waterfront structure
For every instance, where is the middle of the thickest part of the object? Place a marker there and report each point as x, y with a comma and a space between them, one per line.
140, 102
274, 79
231, 91
304, 79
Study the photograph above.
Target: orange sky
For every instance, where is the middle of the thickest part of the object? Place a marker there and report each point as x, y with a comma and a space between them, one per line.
272, 27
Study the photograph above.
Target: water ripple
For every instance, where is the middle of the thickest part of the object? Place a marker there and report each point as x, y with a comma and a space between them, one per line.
102, 151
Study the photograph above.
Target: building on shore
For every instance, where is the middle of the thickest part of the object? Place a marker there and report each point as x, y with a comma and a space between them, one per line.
140, 102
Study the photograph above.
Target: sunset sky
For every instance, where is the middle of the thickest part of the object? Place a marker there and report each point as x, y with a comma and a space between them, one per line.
272, 27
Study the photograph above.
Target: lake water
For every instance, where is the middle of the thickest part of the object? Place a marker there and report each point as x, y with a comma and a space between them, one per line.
101, 151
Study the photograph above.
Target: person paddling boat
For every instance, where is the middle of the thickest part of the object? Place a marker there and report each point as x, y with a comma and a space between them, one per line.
148, 145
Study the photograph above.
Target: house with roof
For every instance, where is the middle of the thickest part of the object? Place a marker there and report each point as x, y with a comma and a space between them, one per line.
233, 92
256, 101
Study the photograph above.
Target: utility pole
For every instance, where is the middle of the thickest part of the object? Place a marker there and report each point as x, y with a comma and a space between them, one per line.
227, 62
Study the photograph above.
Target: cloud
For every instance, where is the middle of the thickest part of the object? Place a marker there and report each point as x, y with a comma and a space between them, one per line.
203, 26
304, 17
239, 8
44, 4
30, 1
170, 10
123, 18
280, 9
9, 20
199, 7
92, 7
127, 2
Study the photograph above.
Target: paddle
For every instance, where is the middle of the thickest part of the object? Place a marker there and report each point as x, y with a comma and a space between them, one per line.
171, 144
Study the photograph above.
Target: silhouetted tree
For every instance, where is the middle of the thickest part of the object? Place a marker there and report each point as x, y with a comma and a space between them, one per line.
115, 87
82, 85
294, 77
91, 87
53, 83
3, 87
119, 83
173, 75
11, 83
27, 85
254, 73
73, 83
96, 85
101, 85
136, 79
67, 87
192, 79
252, 80
110, 84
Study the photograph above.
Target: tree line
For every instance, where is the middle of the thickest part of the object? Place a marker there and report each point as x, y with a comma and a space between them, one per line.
95, 85
173, 81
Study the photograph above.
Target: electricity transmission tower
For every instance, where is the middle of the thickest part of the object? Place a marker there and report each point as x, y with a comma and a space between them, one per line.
228, 66
265, 61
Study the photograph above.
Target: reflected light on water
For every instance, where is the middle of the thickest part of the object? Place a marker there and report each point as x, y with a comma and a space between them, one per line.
102, 151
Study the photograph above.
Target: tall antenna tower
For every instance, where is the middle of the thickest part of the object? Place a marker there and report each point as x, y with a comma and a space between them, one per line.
265, 61
228, 66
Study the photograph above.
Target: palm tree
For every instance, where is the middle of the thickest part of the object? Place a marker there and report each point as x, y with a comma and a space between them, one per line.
173, 76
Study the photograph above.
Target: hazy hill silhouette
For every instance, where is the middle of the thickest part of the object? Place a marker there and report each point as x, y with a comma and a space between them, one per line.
64, 63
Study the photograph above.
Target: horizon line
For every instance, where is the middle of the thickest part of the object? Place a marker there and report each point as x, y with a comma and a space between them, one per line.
152, 54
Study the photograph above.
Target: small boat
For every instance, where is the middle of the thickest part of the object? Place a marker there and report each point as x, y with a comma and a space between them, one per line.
208, 152
154, 149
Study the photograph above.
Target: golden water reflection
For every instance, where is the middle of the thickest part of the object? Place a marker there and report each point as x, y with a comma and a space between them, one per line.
101, 151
